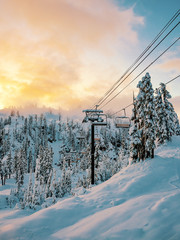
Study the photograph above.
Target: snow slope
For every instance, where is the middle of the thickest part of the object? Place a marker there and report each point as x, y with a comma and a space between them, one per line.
140, 202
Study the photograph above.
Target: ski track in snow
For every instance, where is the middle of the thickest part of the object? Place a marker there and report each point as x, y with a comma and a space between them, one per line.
140, 202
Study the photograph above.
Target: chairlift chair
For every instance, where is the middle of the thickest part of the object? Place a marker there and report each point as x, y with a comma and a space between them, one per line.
94, 115
73, 152
83, 152
97, 137
80, 135
91, 115
123, 121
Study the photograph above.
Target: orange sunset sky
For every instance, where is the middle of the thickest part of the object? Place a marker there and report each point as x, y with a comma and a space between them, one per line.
65, 54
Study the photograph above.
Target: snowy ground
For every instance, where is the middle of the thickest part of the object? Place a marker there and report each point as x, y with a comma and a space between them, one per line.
140, 202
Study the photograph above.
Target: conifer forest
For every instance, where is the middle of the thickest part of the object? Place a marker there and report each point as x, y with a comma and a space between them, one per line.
50, 157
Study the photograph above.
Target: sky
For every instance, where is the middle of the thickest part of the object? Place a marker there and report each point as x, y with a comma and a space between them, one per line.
65, 54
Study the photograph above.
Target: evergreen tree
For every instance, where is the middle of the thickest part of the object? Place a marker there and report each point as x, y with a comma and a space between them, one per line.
3, 170
48, 186
176, 123
167, 120
63, 183
36, 199
135, 135
169, 112
28, 199
161, 130
53, 186
19, 167
9, 164
68, 180
146, 117
30, 161
47, 161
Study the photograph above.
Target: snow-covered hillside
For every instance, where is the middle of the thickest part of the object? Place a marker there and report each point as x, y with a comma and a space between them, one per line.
139, 202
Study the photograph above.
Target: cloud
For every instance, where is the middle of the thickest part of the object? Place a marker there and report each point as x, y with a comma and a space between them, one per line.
54, 51
171, 65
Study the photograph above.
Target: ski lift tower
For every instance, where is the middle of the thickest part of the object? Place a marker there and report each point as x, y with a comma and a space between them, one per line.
97, 118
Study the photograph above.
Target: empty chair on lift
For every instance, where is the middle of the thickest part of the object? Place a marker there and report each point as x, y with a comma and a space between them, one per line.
97, 137
122, 122
80, 135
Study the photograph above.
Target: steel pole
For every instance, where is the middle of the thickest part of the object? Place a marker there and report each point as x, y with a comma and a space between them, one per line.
92, 153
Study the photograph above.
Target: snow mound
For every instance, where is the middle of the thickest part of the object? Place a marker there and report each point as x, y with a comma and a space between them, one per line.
140, 202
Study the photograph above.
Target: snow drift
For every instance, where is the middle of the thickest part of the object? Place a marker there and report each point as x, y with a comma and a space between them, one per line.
140, 202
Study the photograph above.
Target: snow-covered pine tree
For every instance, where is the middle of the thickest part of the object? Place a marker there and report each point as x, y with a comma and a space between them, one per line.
125, 147
25, 126
176, 123
62, 185
28, 196
161, 130
9, 164
30, 125
135, 136
79, 182
68, 180
48, 160
88, 178
53, 186
36, 190
19, 167
3, 170
30, 161
58, 189
84, 182
169, 112
146, 117
48, 192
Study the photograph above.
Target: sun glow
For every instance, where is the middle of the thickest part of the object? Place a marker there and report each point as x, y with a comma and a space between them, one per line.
2, 106
49, 57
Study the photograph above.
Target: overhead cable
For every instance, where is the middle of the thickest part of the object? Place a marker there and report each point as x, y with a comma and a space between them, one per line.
142, 72
139, 63
122, 109
136, 61
172, 79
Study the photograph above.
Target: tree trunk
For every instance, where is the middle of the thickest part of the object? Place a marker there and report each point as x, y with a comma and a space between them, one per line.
2, 180
152, 154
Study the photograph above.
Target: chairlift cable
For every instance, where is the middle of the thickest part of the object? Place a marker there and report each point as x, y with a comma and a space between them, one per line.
172, 79
141, 72
147, 48
122, 109
139, 63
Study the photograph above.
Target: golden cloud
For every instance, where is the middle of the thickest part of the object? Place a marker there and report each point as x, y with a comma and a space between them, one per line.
172, 64
53, 51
